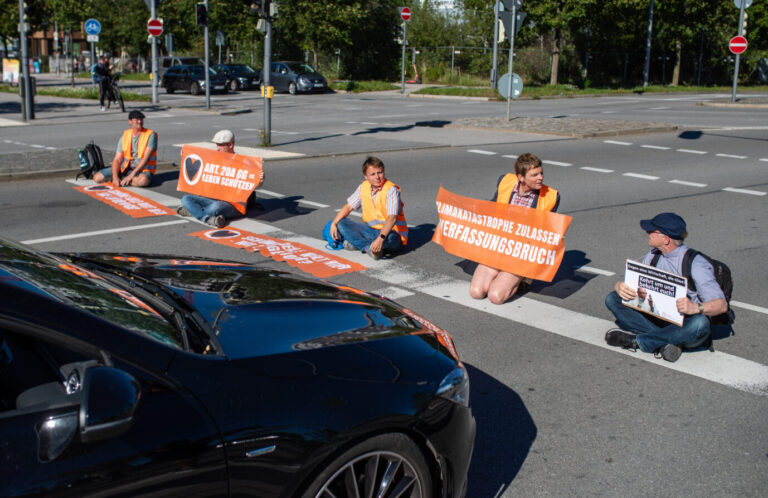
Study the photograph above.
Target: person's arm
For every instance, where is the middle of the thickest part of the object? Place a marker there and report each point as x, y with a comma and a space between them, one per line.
343, 213
624, 291
377, 244
116, 162
143, 162
709, 308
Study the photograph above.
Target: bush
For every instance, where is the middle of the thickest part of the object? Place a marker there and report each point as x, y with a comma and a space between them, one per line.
532, 65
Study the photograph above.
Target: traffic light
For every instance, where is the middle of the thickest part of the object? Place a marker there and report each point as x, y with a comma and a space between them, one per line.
202, 15
744, 26
24, 23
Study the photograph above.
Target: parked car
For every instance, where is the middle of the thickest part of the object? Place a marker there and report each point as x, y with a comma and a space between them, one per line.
166, 62
293, 77
239, 76
191, 78
133, 375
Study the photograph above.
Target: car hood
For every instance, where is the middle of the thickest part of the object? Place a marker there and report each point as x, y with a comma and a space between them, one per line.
258, 312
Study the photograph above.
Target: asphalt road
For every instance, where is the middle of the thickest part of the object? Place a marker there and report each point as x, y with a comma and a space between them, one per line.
559, 413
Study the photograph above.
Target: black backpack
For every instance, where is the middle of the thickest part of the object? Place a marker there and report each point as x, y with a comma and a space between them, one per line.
723, 278
90, 159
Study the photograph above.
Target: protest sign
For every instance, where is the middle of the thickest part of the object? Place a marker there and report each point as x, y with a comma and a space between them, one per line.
657, 291
516, 239
218, 175
300, 256
129, 203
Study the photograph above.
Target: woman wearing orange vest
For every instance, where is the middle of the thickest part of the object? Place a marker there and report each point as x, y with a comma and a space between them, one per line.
385, 228
136, 157
524, 188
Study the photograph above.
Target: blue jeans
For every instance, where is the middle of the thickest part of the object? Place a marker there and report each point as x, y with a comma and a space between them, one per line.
107, 173
361, 235
650, 336
203, 208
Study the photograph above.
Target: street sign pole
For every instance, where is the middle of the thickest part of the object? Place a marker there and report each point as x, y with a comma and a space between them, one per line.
736, 65
207, 62
495, 63
153, 15
93, 61
27, 110
266, 82
402, 72
511, 56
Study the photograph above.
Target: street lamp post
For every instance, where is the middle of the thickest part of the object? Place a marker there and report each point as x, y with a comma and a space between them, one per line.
648, 46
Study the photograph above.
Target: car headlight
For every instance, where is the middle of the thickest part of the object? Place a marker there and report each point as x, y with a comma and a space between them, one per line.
455, 386
303, 81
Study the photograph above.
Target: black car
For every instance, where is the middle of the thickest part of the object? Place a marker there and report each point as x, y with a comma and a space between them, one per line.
191, 78
294, 77
239, 76
154, 375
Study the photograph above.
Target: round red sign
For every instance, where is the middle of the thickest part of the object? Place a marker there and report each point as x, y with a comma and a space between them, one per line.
155, 27
405, 13
737, 45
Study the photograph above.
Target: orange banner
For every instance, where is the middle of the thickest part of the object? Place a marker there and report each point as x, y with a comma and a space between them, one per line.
218, 175
305, 258
129, 203
516, 239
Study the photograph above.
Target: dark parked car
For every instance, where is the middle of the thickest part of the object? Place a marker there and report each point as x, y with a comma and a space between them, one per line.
293, 77
151, 375
239, 76
191, 78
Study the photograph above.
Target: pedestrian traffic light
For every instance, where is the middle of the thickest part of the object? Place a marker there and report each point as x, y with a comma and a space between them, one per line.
202, 15
744, 26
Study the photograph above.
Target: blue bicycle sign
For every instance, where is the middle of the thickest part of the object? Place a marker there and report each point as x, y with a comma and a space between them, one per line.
92, 27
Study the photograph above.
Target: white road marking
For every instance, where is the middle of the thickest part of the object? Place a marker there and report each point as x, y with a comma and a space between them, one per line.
690, 184
657, 108
615, 142
368, 123
608, 112
731, 156
390, 116
689, 151
37, 146
596, 271
556, 163
393, 292
311, 203
596, 170
352, 213
11, 122
642, 177
657, 147
744, 191
282, 196
511, 156
485, 152
764, 159
751, 307
248, 151
103, 232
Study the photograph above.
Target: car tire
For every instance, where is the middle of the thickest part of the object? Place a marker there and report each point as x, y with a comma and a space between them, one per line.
234, 86
168, 89
394, 452
292, 88
194, 88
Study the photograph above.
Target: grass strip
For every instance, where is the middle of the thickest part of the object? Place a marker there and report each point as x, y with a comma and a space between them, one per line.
76, 93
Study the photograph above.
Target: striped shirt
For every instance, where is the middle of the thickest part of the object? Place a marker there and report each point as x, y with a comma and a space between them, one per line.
525, 200
393, 200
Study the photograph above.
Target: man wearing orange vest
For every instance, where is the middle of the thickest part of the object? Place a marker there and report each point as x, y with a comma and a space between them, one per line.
524, 188
136, 157
385, 228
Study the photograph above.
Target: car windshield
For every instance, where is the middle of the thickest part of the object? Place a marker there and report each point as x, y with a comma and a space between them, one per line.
68, 283
200, 71
241, 68
300, 67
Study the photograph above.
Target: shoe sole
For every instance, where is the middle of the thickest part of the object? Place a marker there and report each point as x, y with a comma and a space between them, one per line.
671, 354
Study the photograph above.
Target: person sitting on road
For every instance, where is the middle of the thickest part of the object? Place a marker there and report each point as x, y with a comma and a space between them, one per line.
100, 73
136, 157
212, 211
385, 228
666, 232
523, 188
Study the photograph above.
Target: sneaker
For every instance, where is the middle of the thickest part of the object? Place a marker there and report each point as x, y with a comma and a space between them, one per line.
671, 352
375, 255
218, 221
182, 211
349, 247
102, 109
621, 339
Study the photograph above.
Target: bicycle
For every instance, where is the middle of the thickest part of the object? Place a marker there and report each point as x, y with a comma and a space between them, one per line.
113, 92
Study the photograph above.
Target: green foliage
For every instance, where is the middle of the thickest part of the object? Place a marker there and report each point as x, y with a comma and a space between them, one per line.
363, 86
76, 93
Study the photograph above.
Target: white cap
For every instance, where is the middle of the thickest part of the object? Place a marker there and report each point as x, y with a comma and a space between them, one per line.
223, 137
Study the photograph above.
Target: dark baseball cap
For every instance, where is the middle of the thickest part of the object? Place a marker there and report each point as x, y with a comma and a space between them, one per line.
136, 115
670, 224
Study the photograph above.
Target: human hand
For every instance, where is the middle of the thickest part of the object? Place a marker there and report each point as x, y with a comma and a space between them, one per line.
335, 232
376, 245
686, 306
625, 292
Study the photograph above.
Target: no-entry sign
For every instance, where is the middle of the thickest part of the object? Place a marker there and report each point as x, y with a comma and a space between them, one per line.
405, 13
737, 45
155, 27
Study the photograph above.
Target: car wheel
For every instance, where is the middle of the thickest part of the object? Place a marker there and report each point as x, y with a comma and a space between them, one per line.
233, 85
168, 89
292, 88
194, 88
389, 464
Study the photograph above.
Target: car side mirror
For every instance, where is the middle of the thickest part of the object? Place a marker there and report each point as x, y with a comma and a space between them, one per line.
110, 398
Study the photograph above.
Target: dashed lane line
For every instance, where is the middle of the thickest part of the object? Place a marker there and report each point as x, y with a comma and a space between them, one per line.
282, 196
764, 159
557, 163
689, 184
691, 151
719, 367
642, 177
103, 232
596, 170
616, 142
657, 147
751, 307
744, 191
596, 271
484, 152
731, 156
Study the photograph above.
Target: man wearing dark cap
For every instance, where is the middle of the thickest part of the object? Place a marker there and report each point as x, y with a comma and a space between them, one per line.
136, 156
666, 232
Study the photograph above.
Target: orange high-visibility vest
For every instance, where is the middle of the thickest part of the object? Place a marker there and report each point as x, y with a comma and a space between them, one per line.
547, 196
140, 148
376, 215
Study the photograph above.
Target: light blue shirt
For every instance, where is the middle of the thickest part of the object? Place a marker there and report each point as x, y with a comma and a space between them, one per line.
702, 273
